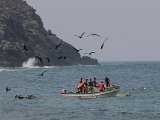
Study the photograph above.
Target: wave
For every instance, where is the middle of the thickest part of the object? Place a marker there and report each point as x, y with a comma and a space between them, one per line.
29, 63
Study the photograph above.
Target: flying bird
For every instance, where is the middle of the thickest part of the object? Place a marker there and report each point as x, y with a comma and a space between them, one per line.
57, 46
80, 35
93, 35
48, 59
77, 50
25, 48
90, 53
40, 59
64, 57
42, 73
60, 57
103, 43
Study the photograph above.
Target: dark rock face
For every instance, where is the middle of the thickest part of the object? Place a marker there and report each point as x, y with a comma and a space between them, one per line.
22, 36
86, 60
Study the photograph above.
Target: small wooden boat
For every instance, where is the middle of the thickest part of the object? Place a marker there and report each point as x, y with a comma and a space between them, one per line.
96, 94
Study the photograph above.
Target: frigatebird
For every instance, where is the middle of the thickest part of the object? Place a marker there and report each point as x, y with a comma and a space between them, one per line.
90, 53
80, 35
93, 35
42, 73
77, 50
103, 43
25, 48
57, 46
60, 57
64, 57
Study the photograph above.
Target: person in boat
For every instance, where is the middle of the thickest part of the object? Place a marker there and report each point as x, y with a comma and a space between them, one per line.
86, 86
94, 82
80, 86
90, 84
107, 81
101, 86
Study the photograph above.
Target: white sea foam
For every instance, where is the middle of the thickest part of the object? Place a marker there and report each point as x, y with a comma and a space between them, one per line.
30, 63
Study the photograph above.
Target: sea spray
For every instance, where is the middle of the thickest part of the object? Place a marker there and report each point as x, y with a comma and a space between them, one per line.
29, 63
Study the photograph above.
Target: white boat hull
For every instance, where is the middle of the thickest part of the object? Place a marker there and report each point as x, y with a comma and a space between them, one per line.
92, 95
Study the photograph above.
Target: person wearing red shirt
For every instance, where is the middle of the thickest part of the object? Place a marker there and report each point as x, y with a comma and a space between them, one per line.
101, 86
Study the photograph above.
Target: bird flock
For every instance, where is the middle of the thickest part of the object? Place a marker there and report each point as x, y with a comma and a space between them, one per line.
92, 34
64, 57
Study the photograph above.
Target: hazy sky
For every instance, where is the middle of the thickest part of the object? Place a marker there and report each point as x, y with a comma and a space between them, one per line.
133, 26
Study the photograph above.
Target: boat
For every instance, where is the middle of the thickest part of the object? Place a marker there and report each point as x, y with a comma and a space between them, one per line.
109, 92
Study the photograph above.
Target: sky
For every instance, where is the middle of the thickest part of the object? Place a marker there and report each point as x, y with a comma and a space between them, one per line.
132, 26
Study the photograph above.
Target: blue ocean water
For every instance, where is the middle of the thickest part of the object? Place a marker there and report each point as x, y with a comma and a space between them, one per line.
139, 79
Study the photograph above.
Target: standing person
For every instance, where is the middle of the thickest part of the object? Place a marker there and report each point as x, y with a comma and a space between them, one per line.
86, 86
94, 82
90, 84
107, 81
101, 86
80, 86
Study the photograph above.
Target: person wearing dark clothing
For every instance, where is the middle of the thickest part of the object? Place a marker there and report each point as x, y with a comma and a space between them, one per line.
90, 84
94, 82
107, 81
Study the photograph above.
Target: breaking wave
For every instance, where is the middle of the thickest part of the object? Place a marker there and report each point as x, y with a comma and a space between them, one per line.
29, 63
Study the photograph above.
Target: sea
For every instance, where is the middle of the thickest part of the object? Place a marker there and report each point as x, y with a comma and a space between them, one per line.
138, 99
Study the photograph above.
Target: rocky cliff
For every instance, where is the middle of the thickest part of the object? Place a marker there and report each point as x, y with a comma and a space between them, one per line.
22, 36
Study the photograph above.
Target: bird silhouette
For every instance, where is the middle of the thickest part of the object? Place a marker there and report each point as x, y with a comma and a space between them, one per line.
57, 46
64, 57
25, 48
103, 43
80, 35
8, 89
42, 73
40, 59
48, 59
77, 50
90, 53
93, 35
60, 57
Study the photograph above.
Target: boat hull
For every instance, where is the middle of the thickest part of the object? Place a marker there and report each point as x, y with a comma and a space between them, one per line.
92, 95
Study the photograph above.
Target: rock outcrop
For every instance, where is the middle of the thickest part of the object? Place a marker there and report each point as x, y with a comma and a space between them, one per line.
22, 36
